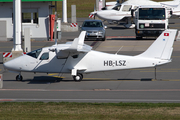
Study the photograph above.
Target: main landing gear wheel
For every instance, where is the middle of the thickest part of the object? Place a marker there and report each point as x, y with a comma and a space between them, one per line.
19, 78
78, 77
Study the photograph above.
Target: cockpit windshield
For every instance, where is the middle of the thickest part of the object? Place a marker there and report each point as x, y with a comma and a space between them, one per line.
117, 7
35, 53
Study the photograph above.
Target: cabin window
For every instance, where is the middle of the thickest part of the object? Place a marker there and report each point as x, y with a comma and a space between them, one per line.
44, 56
35, 53
75, 56
135, 7
126, 8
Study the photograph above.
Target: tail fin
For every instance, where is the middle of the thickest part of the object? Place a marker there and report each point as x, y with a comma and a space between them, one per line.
79, 40
78, 44
162, 47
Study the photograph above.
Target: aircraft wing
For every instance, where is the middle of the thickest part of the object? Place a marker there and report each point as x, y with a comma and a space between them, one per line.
174, 6
75, 47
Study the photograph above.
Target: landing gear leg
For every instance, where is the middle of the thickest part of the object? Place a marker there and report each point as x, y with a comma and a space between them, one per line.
78, 77
19, 77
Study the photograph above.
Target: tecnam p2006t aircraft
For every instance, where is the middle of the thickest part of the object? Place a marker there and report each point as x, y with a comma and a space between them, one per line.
78, 58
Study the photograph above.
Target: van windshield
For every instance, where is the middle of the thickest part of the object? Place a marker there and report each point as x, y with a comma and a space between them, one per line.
35, 53
152, 14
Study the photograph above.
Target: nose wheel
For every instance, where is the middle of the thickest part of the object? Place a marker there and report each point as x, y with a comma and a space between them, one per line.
19, 77
78, 77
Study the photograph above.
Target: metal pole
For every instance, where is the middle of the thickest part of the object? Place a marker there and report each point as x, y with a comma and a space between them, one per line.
17, 25
73, 13
64, 11
97, 5
55, 23
155, 72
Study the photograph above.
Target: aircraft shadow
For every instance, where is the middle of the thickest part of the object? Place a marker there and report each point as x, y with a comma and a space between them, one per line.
43, 80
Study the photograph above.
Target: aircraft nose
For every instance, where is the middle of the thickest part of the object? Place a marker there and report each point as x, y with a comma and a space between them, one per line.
102, 14
11, 65
8, 65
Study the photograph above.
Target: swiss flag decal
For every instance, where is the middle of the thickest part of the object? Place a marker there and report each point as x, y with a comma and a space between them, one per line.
166, 34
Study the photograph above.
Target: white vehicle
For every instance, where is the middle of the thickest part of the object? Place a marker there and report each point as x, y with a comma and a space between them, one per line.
78, 58
151, 21
122, 12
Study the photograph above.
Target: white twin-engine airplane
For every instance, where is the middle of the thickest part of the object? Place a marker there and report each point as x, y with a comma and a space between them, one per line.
78, 58
122, 11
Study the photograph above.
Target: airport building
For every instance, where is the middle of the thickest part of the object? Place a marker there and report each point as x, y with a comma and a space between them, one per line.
35, 15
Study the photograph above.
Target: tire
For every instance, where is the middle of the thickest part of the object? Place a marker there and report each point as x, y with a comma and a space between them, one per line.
19, 78
138, 38
78, 77
103, 39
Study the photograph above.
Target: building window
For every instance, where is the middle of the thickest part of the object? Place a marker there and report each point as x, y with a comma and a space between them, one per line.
30, 18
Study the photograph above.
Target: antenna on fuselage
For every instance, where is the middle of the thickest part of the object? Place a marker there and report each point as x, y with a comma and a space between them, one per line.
118, 50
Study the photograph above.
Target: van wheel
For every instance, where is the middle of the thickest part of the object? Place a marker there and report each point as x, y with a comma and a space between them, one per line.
103, 39
138, 38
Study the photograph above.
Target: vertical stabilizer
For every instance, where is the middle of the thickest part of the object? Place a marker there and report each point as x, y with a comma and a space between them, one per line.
79, 40
162, 47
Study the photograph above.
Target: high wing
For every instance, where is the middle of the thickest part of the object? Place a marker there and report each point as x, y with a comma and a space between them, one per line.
75, 47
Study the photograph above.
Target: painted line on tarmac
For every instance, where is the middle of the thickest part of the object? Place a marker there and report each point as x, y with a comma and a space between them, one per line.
159, 71
6, 100
121, 37
122, 80
99, 100
106, 89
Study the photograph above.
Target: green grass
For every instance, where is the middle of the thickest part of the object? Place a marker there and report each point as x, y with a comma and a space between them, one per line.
89, 111
83, 7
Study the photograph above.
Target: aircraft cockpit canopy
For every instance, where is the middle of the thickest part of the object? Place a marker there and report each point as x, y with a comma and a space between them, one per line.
35, 53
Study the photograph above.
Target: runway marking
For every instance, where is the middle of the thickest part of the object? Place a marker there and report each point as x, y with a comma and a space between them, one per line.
6, 100
123, 46
175, 56
94, 100
95, 90
97, 79
120, 37
55, 75
159, 71
170, 69
124, 80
